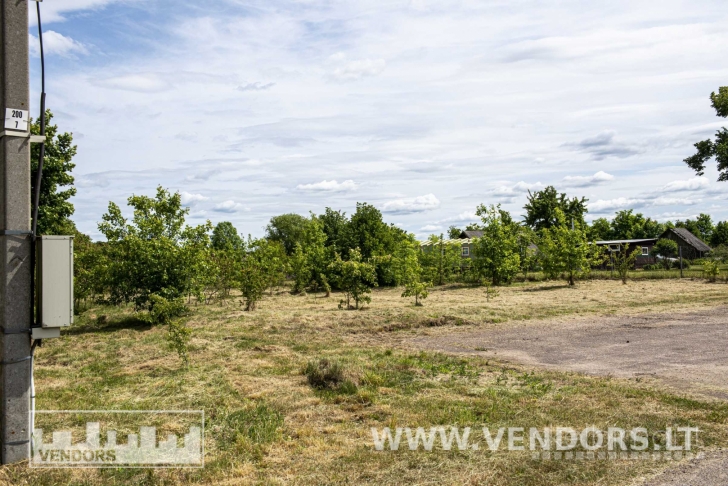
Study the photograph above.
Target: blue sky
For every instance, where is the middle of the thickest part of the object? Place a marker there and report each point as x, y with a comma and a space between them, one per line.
423, 108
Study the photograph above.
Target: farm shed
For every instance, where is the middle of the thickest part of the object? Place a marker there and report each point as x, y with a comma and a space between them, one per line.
644, 245
692, 246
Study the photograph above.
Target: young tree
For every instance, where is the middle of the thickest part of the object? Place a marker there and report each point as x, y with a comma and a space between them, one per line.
624, 261
408, 272
54, 208
355, 278
665, 249
309, 262
497, 252
146, 255
542, 205
564, 249
263, 266
440, 261
708, 149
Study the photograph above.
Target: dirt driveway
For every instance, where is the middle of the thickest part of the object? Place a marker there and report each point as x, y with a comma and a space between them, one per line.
687, 351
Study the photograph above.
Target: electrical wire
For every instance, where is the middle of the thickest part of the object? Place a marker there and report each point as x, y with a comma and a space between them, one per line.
34, 226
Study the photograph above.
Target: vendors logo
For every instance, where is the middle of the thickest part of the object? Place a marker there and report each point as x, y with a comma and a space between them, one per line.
148, 438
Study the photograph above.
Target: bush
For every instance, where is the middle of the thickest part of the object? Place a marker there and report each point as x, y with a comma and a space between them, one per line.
167, 312
711, 270
324, 374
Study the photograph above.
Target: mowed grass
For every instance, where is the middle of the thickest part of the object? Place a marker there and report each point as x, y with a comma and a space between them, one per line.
266, 425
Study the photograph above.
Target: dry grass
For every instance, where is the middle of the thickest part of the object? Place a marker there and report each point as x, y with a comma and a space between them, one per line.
247, 365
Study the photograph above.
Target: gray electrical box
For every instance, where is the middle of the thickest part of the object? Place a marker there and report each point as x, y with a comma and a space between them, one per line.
54, 255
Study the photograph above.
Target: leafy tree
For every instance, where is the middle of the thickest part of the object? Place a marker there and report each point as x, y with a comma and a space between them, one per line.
336, 228
309, 261
711, 269
628, 226
262, 267
286, 229
440, 261
147, 254
88, 269
453, 232
226, 237
408, 272
720, 234
368, 231
542, 205
600, 230
702, 227
720, 253
708, 149
355, 277
624, 261
54, 208
528, 252
563, 250
497, 252
665, 249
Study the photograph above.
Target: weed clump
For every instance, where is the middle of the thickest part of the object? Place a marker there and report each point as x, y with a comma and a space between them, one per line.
325, 374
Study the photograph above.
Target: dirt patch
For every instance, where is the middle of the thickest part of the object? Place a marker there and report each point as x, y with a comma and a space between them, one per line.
687, 351
709, 470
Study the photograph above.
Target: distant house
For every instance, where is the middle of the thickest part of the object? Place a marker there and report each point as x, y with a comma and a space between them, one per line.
692, 247
643, 245
465, 244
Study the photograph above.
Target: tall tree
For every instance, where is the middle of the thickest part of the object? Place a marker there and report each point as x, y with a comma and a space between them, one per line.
226, 237
336, 228
702, 227
627, 225
708, 149
286, 229
600, 229
542, 206
54, 209
720, 234
453, 232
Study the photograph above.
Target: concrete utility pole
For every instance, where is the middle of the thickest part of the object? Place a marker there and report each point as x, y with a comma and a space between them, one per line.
15, 239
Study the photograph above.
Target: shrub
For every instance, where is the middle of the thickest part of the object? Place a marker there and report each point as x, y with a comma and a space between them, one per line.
710, 267
167, 312
324, 374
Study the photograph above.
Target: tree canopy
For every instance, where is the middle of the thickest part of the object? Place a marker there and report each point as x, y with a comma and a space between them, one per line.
542, 206
708, 149
54, 208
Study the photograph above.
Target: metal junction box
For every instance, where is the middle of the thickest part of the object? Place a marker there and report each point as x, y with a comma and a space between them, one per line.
54, 255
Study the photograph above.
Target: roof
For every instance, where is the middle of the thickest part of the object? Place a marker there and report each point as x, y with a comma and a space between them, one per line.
626, 242
471, 234
456, 241
689, 238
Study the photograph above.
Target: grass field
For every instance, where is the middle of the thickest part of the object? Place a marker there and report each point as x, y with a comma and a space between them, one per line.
267, 425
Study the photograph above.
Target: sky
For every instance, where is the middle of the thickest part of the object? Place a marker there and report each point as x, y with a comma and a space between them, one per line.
423, 108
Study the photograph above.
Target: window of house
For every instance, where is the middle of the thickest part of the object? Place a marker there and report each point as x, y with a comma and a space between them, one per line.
645, 251
466, 251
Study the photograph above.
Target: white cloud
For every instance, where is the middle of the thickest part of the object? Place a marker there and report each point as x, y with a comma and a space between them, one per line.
694, 184
228, 207
192, 199
55, 43
430, 227
56, 11
518, 188
145, 83
257, 86
350, 70
328, 186
587, 181
412, 205
606, 206
464, 217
